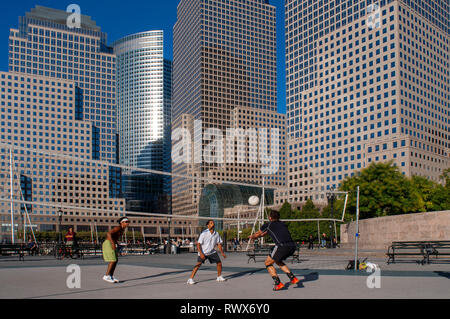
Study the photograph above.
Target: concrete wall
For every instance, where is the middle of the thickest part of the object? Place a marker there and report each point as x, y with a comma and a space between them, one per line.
378, 233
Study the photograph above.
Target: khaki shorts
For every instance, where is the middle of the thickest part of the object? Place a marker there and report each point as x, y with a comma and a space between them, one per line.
109, 254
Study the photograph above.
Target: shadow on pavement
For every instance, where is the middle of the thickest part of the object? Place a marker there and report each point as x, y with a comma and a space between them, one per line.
157, 275
243, 273
308, 277
443, 274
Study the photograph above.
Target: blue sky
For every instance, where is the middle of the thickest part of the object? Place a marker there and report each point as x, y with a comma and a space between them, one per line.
119, 18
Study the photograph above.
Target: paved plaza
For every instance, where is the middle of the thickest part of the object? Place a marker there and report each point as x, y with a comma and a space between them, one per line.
322, 275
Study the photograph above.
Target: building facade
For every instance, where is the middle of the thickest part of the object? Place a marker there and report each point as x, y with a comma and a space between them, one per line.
224, 61
44, 45
144, 80
366, 82
38, 113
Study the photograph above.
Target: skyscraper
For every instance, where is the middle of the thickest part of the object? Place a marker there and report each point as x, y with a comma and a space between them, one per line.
66, 105
366, 82
224, 59
144, 80
38, 113
45, 45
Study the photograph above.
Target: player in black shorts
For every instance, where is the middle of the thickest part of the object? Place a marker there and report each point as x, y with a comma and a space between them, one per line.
284, 248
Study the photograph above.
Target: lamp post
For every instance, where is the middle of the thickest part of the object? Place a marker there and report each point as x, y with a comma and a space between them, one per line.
169, 249
331, 198
60, 213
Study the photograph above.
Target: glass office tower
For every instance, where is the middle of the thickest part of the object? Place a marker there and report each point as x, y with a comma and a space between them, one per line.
143, 106
224, 60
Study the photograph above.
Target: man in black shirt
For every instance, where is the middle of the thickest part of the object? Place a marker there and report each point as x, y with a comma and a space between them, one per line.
284, 247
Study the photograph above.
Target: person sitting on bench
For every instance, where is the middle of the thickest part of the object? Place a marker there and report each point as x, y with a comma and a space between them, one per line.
31, 247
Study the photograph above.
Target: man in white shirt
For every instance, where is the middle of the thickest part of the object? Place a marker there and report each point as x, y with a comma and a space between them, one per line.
206, 244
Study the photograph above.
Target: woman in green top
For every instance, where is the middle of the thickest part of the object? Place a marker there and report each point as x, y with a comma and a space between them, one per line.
110, 248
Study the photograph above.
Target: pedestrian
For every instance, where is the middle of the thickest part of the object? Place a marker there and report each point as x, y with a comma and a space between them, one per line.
335, 244
324, 240
234, 241
311, 242
109, 248
206, 244
284, 248
70, 240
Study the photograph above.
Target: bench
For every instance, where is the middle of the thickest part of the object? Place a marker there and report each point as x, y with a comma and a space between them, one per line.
140, 249
423, 249
12, 249
88, 249
437, 248
61, 250
266, 251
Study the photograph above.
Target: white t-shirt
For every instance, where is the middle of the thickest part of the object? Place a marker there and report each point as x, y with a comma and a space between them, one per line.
209, 241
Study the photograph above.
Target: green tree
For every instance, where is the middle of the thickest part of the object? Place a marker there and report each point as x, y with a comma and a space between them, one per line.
300, 230
434, 196
384, 191
286, 211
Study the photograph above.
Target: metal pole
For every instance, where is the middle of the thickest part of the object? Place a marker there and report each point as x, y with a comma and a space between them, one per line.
31, 226
262, 210
23, 222
60, 230
11, 194
96, 232
335, 231
26, 211
357, 228
169, 244
239, 218
332, 216
318, 233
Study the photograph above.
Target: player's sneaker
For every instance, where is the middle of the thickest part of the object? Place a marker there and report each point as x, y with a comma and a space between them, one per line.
115, 279
278, 287
295, 280
108, 279
220, 278
191, 281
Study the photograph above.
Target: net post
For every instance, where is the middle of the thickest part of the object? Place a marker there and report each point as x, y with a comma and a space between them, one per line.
357, 228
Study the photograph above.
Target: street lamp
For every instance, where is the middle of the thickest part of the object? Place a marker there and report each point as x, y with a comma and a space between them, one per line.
169, 220
331, 196
60, 213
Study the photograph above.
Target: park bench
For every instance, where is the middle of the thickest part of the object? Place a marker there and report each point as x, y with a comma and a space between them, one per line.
12, 249
61, 250
88, 249
423, 249
437, 249
264, 251
139, 249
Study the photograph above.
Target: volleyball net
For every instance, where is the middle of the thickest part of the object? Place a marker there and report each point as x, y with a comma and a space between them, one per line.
43, 190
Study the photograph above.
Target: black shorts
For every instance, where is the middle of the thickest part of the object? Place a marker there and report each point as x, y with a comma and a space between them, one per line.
213, 258
280, 253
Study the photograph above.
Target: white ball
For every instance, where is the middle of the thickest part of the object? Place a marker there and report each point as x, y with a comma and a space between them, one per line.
253, 200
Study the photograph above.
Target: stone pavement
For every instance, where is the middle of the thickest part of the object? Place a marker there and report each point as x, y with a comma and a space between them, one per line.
322, 275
